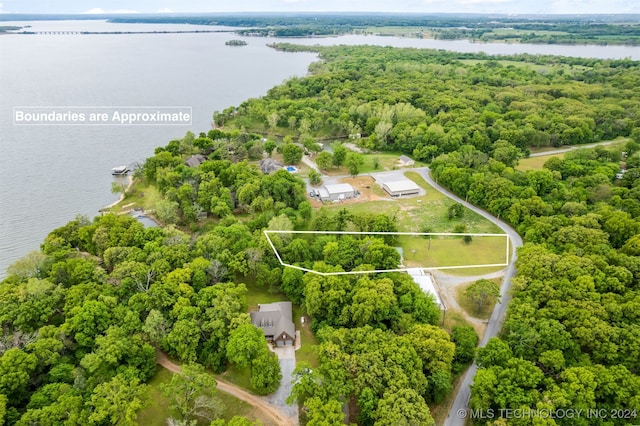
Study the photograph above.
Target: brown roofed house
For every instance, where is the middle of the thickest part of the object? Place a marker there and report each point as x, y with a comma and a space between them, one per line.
275, 320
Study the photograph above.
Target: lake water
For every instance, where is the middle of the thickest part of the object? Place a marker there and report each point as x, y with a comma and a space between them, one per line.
466, 46
49, 174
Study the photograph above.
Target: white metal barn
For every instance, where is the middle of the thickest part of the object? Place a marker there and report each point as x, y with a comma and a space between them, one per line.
401, 188
425, 281
339, 191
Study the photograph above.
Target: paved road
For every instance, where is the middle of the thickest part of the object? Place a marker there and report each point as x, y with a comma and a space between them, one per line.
310, 163
573, 147
460, 403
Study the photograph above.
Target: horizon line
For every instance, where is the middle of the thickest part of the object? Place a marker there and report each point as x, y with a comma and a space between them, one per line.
354, 12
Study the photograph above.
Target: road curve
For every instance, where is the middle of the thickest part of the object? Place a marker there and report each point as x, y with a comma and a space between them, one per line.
574, 147
459, 408
271, 412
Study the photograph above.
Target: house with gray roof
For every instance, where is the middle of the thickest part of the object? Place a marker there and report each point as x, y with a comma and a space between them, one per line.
269, 165
195, 160
275, 320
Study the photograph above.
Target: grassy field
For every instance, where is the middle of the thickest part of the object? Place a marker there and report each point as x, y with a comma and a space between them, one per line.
427, 213
158, 411
386, 161
472, 272
536, 163
238, 376
452, 319
452, 251
139, 196
258, 294
307, 351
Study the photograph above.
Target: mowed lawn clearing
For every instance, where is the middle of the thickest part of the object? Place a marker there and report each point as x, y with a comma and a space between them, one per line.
427, 213
372, 163
536, 163
437, 252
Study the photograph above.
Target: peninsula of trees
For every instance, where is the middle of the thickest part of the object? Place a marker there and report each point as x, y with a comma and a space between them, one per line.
549, 29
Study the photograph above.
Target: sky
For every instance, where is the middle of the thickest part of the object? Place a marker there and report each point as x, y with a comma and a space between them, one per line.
415, 6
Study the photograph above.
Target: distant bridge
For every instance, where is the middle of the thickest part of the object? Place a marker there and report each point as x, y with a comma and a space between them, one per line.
55, 32
120, 32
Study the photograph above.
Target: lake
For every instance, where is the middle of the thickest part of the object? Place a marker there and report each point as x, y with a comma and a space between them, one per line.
51, 173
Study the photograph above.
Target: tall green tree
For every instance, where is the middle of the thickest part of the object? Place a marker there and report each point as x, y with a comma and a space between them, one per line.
269, 146
354, 163
246, 343
183, 340
403, 407
192, 394
265, 373
321, 413
339, 154
482, 292
315, 178
118, 401
16, 368
291, 153
324, 160
466, 340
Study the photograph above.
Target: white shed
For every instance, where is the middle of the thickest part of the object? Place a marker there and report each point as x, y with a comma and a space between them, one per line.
425, 281
339, 191
406, 161
400, 188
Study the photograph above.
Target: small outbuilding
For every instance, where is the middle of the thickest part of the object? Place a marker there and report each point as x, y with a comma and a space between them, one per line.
275, 320
405, 161
400, 188
339, 191
426, 284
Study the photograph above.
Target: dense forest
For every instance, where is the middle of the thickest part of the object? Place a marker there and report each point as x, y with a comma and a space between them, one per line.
426, 103
572, 330
83, 317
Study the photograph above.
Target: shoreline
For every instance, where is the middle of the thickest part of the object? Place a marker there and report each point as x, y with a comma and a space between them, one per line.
122, 196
